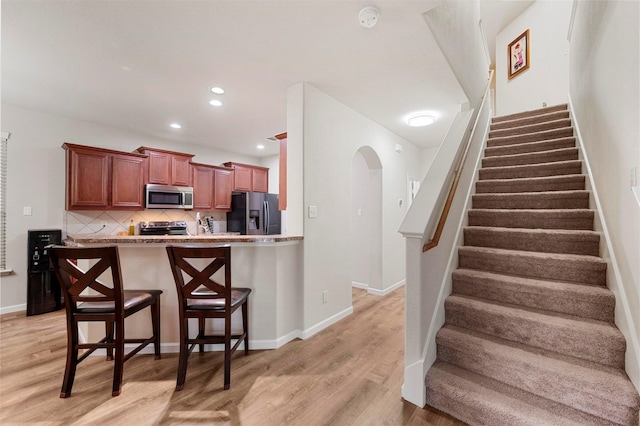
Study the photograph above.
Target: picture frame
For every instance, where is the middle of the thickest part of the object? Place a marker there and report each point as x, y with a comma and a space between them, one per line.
518, 53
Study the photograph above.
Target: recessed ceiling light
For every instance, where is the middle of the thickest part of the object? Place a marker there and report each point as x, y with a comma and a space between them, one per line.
175, 126
260, 146
421, 119
215, 102
217, 90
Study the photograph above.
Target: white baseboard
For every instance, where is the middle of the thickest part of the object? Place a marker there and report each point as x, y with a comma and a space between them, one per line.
375, 291
326, 323
14, 308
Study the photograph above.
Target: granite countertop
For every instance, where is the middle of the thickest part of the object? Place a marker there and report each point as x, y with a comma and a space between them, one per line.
178, 239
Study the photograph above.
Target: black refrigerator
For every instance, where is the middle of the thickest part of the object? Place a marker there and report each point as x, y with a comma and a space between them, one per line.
43, 289
254, 213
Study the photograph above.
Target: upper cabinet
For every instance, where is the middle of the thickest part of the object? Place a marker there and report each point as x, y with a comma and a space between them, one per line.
249, 178
102, 179
212, 186
168, 167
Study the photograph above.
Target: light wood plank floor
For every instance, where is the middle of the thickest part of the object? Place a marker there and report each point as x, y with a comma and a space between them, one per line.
348, 374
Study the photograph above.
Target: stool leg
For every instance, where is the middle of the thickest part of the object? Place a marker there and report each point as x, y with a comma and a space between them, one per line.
109, 334
201, 325
72, 358
155, 322
227, 352
245, 325
118, 366
184, 353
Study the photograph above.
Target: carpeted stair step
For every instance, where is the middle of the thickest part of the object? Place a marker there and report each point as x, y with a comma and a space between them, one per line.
479, 400
595, 389
531, 113
573, 167
539, 184
533, 200
529, 147
597, 341
526, 121
544, 219
584, 301
572, 268
530, 128
523, 148
564, 132
562, 154
541, 240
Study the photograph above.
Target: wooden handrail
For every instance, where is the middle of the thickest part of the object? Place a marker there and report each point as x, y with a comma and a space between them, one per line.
433, 242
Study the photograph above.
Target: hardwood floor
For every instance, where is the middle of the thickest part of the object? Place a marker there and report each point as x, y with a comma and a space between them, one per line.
348, 374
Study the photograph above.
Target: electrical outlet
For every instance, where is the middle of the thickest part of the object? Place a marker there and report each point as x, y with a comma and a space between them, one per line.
325, 296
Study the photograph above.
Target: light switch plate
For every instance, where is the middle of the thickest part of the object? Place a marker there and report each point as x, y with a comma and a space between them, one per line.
26, 211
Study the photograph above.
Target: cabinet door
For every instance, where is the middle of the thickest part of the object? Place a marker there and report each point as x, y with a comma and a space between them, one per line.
87, 180
242, 178
202, 187
159, 168
222, 185
260, 180
127, 182
180, 171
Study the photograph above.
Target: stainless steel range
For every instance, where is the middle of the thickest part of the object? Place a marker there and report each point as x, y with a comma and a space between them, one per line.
178, 227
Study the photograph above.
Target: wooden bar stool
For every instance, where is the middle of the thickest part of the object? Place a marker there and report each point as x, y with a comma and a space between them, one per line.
88, 299
203, 297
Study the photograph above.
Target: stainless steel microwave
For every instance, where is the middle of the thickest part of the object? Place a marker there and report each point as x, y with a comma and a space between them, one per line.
168, 197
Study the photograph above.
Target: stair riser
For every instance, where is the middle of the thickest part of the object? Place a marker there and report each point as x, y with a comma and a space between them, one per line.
532, 113
531, 171
530, 120
600, 308
579, 271
539, 382
547, 243
538, 331
531, 137
531, 147
535, 201
566, 154
560, 183
531, 220
522, 130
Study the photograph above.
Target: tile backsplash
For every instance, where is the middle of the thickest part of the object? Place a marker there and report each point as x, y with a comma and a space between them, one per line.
91, 222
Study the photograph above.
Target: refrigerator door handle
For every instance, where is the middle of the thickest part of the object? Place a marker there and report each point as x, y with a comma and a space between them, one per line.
265, 206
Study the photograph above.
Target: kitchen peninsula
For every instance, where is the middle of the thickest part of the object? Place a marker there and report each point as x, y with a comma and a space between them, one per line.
268, 264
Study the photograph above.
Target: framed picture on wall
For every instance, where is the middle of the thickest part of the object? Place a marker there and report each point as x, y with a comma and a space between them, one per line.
518, 52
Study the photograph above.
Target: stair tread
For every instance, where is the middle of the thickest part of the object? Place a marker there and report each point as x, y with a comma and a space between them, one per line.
530, 113
601, 381
531, 137
545, 153
552, 164
597, 261
550, 116
569, 234
537, 179
481, 400
579, 291
538, 194
530, 147
533, 127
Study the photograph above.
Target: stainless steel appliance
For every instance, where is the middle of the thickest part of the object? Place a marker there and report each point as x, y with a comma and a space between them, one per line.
43, 289
163, 228
254, 213
168, 197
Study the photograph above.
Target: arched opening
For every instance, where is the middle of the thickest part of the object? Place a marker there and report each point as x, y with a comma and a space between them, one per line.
366, 219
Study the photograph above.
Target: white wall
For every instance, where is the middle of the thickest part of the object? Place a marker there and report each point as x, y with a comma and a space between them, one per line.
36, 178
605, 88
547, 79
273, 163
331, 134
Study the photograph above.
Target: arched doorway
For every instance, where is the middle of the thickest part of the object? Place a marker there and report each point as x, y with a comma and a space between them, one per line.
366, 219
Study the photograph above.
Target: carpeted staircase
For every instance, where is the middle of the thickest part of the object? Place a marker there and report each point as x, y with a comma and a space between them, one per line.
529, 337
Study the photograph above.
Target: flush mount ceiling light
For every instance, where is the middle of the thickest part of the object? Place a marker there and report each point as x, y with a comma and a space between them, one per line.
421, 119
215, 102
175, 126
368, 17
217, 90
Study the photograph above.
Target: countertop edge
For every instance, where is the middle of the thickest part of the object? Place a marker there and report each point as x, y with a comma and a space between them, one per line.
178, 239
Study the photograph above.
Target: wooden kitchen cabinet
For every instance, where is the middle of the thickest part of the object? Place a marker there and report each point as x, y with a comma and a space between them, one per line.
168, 167
249, 178
212, 187
102, 179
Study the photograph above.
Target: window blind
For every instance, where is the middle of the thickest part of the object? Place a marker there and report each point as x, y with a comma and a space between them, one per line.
3, 200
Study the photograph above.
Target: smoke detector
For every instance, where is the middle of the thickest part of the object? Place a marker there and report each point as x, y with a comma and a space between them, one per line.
368, 17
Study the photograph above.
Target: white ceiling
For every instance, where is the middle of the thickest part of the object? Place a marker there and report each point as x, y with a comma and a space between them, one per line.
141, 65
